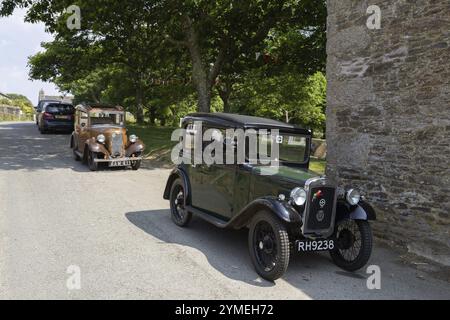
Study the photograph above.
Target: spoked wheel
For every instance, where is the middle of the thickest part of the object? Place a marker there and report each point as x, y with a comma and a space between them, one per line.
136, 164
269, 246
179, 214
93, 166
353, 244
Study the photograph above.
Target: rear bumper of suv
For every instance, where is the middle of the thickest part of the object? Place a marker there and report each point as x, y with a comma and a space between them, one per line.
58, 125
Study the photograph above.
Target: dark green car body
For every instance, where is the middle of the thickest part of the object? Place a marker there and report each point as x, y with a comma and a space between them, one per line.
285, 206
228, 194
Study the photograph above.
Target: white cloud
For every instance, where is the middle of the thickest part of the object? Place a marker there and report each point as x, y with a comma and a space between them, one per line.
18, 41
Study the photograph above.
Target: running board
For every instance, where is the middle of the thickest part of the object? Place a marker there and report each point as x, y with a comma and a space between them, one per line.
207, 217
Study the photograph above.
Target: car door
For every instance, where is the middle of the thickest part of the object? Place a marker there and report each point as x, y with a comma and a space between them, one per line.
213, 186
81, 130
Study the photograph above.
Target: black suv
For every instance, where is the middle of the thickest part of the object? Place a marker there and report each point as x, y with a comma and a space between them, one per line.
56, 116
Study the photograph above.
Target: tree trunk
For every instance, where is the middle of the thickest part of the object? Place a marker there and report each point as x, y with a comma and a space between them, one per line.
152, 115
203, 76
139, 107
224, 93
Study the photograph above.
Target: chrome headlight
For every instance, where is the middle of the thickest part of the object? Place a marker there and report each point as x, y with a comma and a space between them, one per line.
101, 138
133, 138
353, 197
298, 195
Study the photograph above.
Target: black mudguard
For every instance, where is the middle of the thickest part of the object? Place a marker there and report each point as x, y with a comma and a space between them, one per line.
282, 209
362, 211
175, 174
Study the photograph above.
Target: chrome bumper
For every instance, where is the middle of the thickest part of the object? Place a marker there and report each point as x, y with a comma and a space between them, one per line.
118, 159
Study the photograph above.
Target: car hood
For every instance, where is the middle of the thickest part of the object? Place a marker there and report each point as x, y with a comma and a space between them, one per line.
107, 131
291, 174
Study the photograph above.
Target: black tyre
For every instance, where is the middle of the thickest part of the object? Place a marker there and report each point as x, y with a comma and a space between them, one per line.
75, 155
74, 148
268, 243
180, 216
353, 244
93, 166
135, 165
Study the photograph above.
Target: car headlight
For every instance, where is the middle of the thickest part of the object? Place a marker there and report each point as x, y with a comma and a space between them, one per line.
353, 197
298, 195
101, 138
133, 138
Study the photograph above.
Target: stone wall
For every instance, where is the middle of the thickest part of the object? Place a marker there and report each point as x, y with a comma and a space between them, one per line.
388, 116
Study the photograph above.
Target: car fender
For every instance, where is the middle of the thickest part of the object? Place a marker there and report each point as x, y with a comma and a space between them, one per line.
136, 147
175, 174
282, 209
94, 146
362, 211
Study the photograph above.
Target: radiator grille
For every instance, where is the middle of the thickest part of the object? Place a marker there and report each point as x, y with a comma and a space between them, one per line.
116, 145
320, 209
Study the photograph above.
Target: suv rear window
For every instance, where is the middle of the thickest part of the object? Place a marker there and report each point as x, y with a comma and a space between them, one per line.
61, 108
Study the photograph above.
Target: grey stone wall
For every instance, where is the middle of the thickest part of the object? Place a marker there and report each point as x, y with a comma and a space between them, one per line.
388, 116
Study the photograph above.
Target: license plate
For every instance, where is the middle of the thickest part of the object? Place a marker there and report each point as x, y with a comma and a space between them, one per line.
62, 117
314, 245
124, 163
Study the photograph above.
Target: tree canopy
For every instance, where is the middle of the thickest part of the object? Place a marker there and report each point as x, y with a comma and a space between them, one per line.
162, 56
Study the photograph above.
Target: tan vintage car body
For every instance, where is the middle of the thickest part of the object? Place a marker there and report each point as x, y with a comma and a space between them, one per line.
116, 150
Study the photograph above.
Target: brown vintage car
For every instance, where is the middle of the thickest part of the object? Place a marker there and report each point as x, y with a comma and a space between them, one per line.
100, 137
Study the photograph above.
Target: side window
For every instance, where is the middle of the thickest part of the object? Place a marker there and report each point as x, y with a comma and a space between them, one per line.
83, 119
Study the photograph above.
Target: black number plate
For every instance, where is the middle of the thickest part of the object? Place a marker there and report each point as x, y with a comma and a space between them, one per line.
314, 245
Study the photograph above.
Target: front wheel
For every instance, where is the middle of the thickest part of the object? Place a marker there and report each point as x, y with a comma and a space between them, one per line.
353, 244
135, 165
93, 166
268, 243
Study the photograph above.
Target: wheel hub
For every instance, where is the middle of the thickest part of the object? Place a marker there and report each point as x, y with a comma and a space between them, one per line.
346, 239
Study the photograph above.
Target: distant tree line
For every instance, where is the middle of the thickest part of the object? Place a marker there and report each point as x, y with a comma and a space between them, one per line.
164, 58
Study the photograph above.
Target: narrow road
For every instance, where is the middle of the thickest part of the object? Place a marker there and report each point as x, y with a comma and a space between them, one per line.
114, 227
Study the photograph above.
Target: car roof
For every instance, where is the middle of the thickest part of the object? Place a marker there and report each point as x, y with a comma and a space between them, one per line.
98, 106
243, 121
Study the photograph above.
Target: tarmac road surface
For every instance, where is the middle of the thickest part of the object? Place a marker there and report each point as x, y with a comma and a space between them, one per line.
58, 218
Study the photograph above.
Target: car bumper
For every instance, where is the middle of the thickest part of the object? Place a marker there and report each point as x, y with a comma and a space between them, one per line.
63, 126
117, 159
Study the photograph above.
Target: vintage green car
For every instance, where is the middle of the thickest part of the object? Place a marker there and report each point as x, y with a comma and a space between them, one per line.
286, 207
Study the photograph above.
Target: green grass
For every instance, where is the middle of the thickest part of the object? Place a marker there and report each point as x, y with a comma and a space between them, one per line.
159, 146
157, 141
317, 165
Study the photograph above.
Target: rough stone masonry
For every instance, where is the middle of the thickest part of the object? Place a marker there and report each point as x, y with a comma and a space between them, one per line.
388, 116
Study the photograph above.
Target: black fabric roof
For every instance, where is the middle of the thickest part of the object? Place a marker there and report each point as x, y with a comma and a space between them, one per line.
237, 120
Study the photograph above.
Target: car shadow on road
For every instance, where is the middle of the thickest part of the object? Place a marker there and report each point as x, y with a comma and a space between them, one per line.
226, 250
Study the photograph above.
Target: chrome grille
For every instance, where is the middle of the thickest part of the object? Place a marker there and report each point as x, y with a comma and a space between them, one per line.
116, 145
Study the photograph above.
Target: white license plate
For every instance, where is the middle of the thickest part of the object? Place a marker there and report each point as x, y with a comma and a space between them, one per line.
62, 117
124, 163
314, 245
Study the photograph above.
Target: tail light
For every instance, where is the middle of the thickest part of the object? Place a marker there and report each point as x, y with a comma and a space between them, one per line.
48, 116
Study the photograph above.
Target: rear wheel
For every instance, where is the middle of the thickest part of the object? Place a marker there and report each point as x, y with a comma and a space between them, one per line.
180, 216
93, 166
353, 244
75, 155
268, 243
74, 151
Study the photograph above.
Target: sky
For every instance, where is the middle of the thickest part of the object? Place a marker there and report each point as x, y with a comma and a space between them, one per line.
18, 41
